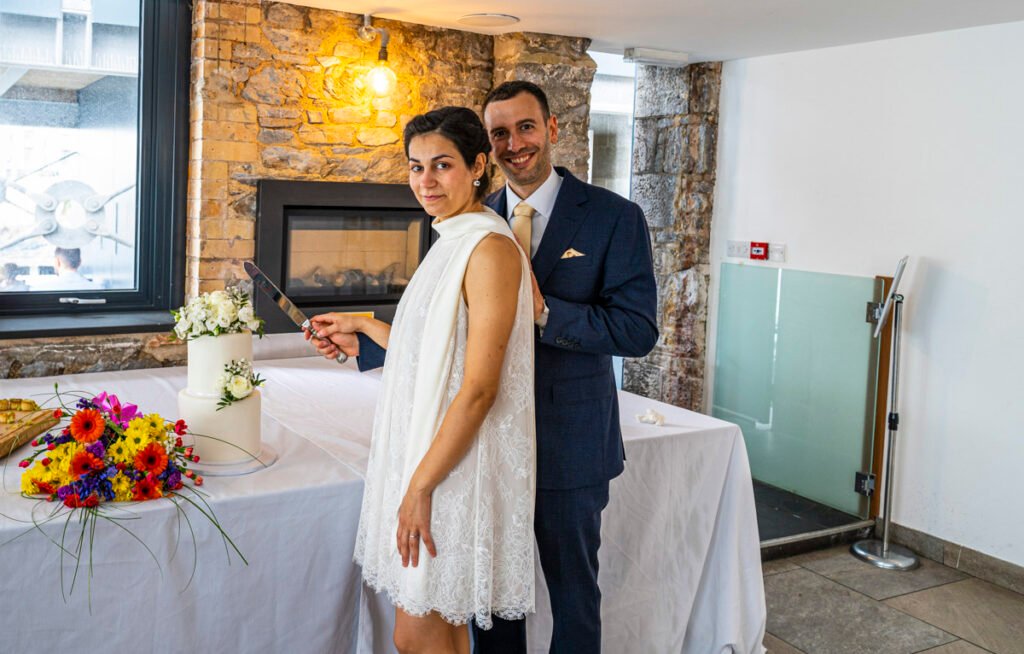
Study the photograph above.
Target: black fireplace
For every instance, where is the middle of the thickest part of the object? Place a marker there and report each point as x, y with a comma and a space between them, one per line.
337, 246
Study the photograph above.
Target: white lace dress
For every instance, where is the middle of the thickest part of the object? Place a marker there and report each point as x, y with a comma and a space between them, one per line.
482, 513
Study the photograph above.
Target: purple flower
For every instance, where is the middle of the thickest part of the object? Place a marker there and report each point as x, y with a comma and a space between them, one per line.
173, 479
96, 449
64, 491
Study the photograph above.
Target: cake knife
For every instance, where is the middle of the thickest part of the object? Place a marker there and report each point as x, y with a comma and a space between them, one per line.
263, 283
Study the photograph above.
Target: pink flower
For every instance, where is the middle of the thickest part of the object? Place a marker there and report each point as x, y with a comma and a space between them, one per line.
121, 414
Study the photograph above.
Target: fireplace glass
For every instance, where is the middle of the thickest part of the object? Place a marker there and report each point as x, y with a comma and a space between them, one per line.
348, 253
338, 246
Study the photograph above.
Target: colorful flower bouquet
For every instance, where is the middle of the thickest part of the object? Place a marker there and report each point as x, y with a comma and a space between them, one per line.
216, 313
109, 451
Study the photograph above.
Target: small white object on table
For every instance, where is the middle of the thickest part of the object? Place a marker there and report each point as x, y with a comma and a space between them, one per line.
680, 558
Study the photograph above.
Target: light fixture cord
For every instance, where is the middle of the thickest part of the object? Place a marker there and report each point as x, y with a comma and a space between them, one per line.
367, 32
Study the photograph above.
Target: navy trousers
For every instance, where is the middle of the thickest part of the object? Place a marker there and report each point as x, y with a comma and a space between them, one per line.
567, 524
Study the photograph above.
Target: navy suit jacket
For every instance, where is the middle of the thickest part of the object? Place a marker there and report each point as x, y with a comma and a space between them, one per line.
602, 304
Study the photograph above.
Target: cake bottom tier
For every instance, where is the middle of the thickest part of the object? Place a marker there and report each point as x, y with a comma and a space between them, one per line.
231, 435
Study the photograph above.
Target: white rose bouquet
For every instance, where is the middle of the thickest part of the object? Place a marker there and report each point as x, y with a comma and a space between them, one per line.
216, 313
237, 382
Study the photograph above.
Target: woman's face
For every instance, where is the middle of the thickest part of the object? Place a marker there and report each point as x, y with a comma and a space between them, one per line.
438, 176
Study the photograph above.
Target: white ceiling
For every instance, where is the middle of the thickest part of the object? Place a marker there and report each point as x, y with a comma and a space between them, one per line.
708, 30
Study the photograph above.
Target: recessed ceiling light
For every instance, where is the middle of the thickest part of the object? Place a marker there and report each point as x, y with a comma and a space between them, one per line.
489, 20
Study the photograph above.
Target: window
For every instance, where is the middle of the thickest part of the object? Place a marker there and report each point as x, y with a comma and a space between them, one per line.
611, 133
611, 123
93, 122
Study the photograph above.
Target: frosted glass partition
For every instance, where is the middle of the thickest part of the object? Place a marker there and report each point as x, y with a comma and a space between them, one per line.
796, 369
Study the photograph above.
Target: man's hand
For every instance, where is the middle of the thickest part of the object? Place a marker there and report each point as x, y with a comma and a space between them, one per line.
337, 333
538, 299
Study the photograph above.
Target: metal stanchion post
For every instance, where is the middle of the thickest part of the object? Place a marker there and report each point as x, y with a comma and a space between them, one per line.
881, 553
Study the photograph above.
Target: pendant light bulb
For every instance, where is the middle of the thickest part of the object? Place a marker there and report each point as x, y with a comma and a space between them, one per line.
381, 79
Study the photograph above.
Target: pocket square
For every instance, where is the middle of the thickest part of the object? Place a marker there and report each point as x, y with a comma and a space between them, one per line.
572, 253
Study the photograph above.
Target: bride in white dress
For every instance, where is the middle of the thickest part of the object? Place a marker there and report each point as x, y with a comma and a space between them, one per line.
446, 527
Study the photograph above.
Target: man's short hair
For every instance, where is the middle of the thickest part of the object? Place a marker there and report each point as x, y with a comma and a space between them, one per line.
10, 272
509, 90
69, 257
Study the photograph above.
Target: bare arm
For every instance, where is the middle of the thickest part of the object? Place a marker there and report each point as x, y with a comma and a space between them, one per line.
491, 287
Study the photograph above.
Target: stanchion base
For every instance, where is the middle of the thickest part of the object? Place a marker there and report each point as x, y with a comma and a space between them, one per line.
898, 558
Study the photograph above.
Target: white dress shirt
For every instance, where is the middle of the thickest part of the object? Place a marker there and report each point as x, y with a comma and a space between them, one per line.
543, 202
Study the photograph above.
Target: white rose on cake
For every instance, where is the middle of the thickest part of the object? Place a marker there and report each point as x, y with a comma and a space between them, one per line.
237, 382
225, 315
240, 387
216, 313
182, 329
247, 316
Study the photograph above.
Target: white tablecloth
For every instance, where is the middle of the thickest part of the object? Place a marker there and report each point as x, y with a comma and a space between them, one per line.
680, 563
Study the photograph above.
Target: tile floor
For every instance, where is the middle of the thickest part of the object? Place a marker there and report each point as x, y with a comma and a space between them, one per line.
829, 602
781, 513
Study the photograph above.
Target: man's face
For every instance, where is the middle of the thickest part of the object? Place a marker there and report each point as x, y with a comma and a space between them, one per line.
521, 140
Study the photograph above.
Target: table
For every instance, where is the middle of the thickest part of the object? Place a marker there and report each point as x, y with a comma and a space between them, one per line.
680, 563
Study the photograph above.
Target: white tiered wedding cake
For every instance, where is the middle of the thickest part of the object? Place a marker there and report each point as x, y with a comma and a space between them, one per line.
223, 434
221, 404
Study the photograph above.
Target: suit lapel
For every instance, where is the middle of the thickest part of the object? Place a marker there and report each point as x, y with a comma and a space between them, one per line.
566, 219
497, 202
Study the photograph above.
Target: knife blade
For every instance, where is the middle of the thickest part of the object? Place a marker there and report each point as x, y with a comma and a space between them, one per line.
270, 289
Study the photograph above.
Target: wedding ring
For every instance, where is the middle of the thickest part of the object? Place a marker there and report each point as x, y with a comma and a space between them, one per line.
413, 536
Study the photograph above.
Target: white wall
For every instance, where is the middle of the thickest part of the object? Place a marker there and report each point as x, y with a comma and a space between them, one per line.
854, 156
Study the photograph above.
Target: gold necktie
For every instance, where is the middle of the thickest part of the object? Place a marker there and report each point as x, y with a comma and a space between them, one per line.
522, 225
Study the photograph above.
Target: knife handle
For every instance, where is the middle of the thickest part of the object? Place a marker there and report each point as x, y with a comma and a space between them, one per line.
341, 358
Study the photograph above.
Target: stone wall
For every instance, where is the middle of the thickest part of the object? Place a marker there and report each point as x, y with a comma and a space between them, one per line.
674, 144
42, 357
277, 92
561, 66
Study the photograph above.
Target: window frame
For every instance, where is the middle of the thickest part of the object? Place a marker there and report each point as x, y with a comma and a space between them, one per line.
162, 177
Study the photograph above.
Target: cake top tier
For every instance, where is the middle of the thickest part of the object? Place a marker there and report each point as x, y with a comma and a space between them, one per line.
207, 357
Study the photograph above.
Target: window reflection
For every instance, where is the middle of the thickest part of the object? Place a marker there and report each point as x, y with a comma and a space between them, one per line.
69, 124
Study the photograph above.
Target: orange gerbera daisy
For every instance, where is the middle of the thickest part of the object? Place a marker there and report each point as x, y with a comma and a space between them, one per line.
152, 459
83, 463
87, 425
146, 488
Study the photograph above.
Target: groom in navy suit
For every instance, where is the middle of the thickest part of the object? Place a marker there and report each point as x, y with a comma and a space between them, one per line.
594, 298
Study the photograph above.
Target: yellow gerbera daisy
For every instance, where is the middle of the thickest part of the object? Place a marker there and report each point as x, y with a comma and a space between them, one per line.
120, 452
61, 457
156, 424
137, 436
122, 487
